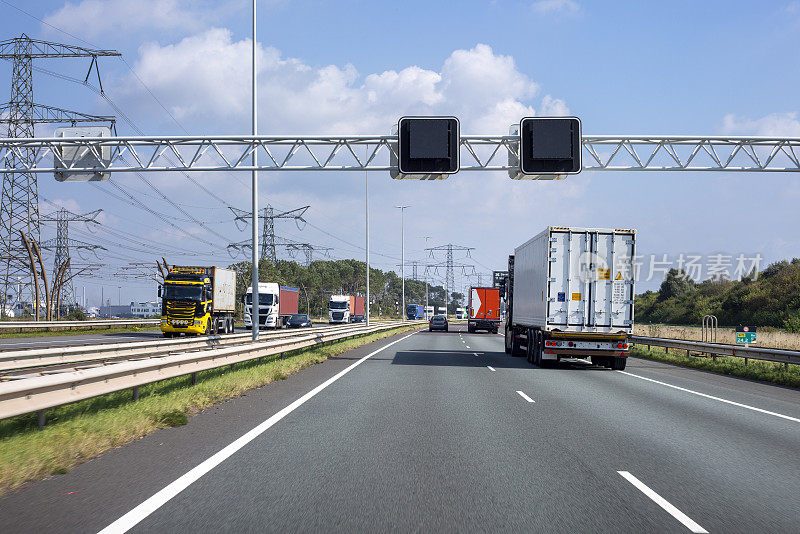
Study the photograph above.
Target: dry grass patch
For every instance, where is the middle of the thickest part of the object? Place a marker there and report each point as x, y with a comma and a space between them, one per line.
767, 337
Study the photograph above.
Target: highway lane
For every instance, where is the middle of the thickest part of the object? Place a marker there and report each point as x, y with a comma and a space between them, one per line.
432, 434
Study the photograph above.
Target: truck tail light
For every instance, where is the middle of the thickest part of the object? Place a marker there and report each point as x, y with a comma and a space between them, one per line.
550, 344
623, 346
571, 344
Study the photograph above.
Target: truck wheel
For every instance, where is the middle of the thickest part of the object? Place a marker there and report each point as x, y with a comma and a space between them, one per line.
209, 327
530, 348
515, 350
618, 364
508, 340
539, 349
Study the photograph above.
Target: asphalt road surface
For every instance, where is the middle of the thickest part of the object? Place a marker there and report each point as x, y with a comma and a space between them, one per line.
445, 432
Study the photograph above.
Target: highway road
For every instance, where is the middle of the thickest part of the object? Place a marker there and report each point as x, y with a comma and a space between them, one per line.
444, 431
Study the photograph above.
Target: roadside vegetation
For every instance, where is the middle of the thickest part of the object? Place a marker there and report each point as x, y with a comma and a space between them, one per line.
771, 299
321, 279
83, 430
775, 373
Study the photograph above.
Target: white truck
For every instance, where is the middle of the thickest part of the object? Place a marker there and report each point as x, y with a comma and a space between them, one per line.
276, 303
569, 294
441, 310
342, 308
460, 313
429, 313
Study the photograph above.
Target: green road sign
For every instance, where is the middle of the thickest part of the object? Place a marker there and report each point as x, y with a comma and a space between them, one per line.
746, 334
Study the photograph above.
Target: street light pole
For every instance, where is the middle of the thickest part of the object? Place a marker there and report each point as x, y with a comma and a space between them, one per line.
426, 279
256, 300
403, 259
366, 211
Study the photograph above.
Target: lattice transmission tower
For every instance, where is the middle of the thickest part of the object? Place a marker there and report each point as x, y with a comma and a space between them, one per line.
19, 203
268, 240
450, 265
63, 245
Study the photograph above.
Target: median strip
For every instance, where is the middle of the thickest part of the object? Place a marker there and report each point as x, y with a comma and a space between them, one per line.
83, 430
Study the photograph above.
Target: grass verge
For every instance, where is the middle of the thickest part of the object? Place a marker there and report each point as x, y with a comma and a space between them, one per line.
80, 332
83, 430
773, 372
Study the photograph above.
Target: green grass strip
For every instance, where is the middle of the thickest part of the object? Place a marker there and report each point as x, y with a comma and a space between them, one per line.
83, 430
773, 372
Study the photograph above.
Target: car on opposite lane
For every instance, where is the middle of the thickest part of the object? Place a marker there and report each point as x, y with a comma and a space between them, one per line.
299, 320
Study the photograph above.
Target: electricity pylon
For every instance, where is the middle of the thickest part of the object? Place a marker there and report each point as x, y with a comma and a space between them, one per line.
269, 245
63, 244
19, 202
449, 265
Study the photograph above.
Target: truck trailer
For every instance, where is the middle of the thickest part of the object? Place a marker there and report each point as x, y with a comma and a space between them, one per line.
276, 304
342, 307
484, 309
415, 311
569, 294
197, 300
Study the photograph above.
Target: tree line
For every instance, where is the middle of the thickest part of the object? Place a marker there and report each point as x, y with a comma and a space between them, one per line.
321, 279
770, 299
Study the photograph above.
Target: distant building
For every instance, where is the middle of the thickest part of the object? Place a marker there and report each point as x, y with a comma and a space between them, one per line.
116, 311
145, 309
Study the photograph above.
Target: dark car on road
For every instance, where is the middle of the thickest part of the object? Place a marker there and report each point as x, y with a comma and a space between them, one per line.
358, 319
298, 320
438, 322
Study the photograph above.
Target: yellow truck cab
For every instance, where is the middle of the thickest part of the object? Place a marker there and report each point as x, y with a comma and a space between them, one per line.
197, 300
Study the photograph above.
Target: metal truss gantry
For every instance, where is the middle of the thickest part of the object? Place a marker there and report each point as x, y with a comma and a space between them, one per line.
372, 153
19, 202
268, 244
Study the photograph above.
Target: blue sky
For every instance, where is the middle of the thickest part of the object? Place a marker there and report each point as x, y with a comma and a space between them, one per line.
355, 67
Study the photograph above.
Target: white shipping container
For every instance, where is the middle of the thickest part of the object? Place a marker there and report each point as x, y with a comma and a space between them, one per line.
224, 290
575, 280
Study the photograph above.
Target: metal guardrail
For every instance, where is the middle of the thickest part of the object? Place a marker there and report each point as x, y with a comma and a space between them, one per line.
29, 326
38, 393
721, 349
15, 362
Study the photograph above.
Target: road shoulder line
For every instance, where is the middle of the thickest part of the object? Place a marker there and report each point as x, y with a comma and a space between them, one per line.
712, 397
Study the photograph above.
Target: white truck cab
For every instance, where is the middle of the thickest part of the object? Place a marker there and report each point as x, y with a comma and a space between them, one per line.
268, 316
339, 309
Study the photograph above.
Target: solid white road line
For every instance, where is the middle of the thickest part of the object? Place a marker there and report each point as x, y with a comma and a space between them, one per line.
490, 368
132, 518
726, 401
527, 398
659, 500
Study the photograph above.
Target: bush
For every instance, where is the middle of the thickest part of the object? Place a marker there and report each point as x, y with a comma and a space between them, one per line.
77, 314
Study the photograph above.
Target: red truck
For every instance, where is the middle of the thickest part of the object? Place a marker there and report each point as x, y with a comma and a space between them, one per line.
484, 309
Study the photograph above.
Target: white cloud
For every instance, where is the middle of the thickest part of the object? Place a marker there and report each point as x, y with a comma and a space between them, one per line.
556, 6
773, 125
205, 78
92, 18
553, 107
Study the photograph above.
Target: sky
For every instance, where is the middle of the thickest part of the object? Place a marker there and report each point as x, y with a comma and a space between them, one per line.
355, 67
